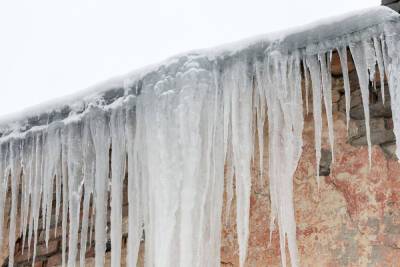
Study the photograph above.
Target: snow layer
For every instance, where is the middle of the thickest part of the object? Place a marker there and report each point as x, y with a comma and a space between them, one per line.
178, 128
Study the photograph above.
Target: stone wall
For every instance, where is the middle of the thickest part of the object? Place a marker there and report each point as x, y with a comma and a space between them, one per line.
351, 219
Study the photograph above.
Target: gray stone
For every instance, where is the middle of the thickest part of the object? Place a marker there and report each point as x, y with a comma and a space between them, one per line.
355, 100
379, 133
377, 110
325, 163
390, 150
387, 94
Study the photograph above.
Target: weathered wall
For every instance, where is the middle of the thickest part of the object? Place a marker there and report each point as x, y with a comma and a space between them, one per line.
352, 219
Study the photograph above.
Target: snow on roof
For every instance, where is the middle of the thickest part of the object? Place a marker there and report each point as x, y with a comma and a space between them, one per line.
321, 32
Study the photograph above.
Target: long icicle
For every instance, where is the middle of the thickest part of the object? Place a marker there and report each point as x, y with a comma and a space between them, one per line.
135, 214
3, 185
361, 62
381, 66
75, 162
15, 150
327, 95
118, 163
342, 51
260, 114
242, 151
89, 160
315, 72
100, 132
37, 195
285, 121
306, 83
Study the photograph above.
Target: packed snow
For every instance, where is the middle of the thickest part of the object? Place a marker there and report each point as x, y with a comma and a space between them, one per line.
185, 131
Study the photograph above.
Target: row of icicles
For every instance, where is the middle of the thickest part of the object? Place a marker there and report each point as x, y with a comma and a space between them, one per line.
173, 142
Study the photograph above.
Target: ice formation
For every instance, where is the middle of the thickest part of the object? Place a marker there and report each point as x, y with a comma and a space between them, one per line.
185, 132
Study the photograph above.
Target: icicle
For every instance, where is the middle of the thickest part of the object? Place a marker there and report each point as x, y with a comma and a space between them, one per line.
370, 58
306, 82
15, 161
53, 159
230, 172
177, 196
31, 190
118, 160
315, 73
194, 222
100, 132
381, 67
135, 219
216, 174
37, 190
44, 178
238, 86
285, 121
58, 188
74, 130
361, 61
261, 113
65, 201
3, 184
89, 159
241, 101
29, 167
24, 190
212, 196
345, 70
327, 94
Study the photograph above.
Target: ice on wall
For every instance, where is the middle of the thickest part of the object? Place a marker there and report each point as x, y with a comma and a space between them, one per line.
237, 85
75, 176
362, 61
185, 134
312, 63
342, 51
118, 162
282, 77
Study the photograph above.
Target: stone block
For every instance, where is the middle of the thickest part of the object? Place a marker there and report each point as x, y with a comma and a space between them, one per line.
39, 264
52, 248
390, 150
377, 110
54, 260
325, 163
379, 133
355, 101
20, 258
